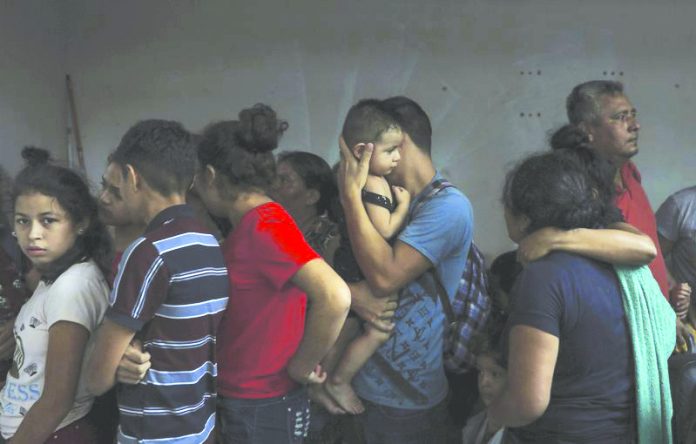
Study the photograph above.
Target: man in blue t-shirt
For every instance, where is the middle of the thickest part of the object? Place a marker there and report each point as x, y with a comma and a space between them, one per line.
403, 386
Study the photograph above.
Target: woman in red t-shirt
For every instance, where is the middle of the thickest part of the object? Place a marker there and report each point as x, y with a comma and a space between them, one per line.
267, 349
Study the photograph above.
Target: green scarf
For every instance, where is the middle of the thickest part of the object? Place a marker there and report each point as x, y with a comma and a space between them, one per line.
652, 325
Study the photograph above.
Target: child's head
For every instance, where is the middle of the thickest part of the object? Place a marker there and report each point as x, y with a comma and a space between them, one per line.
491, 366
55, 217
503, 272
369, 122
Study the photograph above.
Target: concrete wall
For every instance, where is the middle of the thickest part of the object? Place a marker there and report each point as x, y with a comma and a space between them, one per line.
32, 85
493, 75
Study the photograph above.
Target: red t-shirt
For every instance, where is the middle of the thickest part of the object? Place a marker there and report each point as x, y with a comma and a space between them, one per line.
634, 204
264, 321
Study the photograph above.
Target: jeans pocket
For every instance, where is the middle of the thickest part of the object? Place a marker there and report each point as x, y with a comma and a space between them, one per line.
298, 418
237, 423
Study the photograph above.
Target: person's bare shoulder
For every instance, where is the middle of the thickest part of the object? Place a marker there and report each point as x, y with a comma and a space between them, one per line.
378, 184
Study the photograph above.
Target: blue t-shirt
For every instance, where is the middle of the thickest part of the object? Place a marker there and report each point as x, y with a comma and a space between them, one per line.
579, 301
441, 230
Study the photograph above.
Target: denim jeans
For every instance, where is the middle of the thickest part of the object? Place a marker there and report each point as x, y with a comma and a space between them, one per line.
388, 425
279, 420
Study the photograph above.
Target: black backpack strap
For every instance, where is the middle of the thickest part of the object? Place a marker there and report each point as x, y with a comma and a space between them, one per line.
395, 376
444, 297
435, 188
399, 380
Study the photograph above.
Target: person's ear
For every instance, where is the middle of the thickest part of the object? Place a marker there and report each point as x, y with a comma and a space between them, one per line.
82, 227
312, 196
210, 175
524, 223
358, 150
133, 179
588, 130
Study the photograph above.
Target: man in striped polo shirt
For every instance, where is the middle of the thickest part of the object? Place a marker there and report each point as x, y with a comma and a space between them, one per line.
170, 292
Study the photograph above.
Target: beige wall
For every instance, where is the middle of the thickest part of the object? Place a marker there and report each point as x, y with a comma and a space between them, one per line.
198, 61
32, 57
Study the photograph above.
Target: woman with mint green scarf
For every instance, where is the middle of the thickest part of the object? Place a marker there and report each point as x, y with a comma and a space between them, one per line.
587, 342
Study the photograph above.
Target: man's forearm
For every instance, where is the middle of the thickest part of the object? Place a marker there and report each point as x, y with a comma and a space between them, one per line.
378, 311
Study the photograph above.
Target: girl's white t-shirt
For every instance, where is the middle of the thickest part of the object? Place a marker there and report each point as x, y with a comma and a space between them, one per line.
79, 295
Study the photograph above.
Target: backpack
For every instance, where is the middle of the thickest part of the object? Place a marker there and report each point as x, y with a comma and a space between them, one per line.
466, 316
468, 312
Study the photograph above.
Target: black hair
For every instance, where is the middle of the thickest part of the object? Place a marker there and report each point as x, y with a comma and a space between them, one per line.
412, 120
502, 275
335, 210
240, 150
583, 103
504, 269
573, 141
489, 343
569, 136
73, 194
366, 121
162, 152
555, 189
316, 175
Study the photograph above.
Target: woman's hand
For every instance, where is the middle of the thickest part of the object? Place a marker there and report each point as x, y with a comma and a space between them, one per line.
537, 244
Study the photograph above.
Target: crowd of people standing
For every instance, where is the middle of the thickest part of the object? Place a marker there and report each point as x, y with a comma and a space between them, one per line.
242, 297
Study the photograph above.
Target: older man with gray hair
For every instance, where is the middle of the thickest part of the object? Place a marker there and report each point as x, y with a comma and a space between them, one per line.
603, 119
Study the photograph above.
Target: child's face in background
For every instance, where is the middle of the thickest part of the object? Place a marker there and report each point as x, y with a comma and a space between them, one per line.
44, 230
491, 378
386, 154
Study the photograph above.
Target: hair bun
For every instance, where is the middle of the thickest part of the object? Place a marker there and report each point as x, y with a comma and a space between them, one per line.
259, 129
34, 156
569, 136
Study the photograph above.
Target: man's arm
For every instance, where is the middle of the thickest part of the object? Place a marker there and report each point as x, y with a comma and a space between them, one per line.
621, 243
386, 269
375, 310
110, 345
531, 363
329, 302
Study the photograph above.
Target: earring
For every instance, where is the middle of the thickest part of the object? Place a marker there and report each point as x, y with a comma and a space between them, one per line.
80, 231
14, 234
